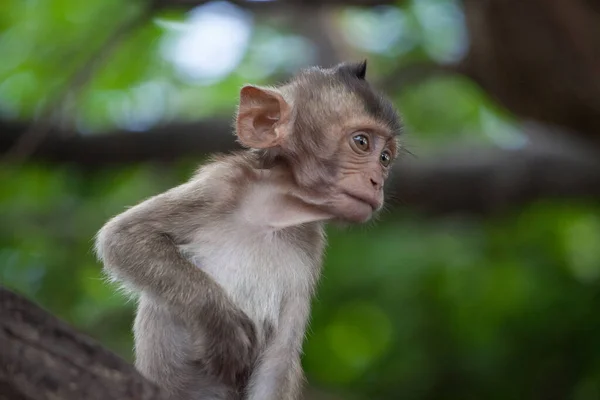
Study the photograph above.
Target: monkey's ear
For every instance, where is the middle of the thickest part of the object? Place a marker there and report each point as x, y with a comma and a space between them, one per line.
262, 116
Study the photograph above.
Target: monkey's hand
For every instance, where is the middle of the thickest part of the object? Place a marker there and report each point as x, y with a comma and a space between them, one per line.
231, 346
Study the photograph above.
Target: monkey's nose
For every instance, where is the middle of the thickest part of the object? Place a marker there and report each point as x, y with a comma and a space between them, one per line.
376, 183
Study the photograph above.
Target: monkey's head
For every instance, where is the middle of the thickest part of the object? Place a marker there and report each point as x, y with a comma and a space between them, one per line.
337, 134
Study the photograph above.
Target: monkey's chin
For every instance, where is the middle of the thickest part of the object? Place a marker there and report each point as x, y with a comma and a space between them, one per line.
355, 211
359, 218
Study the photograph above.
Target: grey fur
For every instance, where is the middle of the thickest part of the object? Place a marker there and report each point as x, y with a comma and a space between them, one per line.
225, 265
203, 331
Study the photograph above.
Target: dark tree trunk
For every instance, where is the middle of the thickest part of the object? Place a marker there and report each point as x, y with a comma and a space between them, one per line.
539, 58
43, 358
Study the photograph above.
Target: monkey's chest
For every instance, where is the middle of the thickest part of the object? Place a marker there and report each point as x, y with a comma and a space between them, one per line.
256, 271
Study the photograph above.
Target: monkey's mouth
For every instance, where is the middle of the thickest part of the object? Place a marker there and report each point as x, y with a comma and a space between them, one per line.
370, 201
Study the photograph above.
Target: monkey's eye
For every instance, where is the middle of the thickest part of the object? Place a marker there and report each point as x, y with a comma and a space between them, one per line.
385, 158
361, 142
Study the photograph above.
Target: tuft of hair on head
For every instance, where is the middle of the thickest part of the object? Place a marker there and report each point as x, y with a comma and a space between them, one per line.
358, 69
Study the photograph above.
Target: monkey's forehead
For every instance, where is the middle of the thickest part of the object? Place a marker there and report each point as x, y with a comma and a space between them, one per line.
325, 94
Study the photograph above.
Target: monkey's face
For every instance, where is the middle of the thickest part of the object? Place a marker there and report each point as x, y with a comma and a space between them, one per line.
337, 134
364, 159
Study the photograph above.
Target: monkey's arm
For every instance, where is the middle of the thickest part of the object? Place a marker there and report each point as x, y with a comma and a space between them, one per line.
138, 248
279, 374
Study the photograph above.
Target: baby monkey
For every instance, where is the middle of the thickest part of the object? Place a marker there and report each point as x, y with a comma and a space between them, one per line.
225, 264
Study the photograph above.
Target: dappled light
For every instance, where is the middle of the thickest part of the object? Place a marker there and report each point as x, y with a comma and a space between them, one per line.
480, 279
211, 42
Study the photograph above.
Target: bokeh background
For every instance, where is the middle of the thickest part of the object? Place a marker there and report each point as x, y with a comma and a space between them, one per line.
481, 280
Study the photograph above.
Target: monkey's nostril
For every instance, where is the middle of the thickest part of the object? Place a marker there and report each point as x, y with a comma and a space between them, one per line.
374, 183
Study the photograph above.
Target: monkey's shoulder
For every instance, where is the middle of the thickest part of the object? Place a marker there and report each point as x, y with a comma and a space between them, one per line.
225, 177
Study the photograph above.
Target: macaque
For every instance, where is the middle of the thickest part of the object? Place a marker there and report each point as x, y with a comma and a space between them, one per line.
224, 266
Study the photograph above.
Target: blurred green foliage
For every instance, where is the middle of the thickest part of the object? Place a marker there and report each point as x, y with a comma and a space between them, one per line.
408, 307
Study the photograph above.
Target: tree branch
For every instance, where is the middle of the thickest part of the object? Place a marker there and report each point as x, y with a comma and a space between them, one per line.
42, 358
479, 181
491, 181
161, 144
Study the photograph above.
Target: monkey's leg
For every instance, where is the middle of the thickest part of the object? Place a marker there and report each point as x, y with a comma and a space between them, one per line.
167, 353
278, 374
